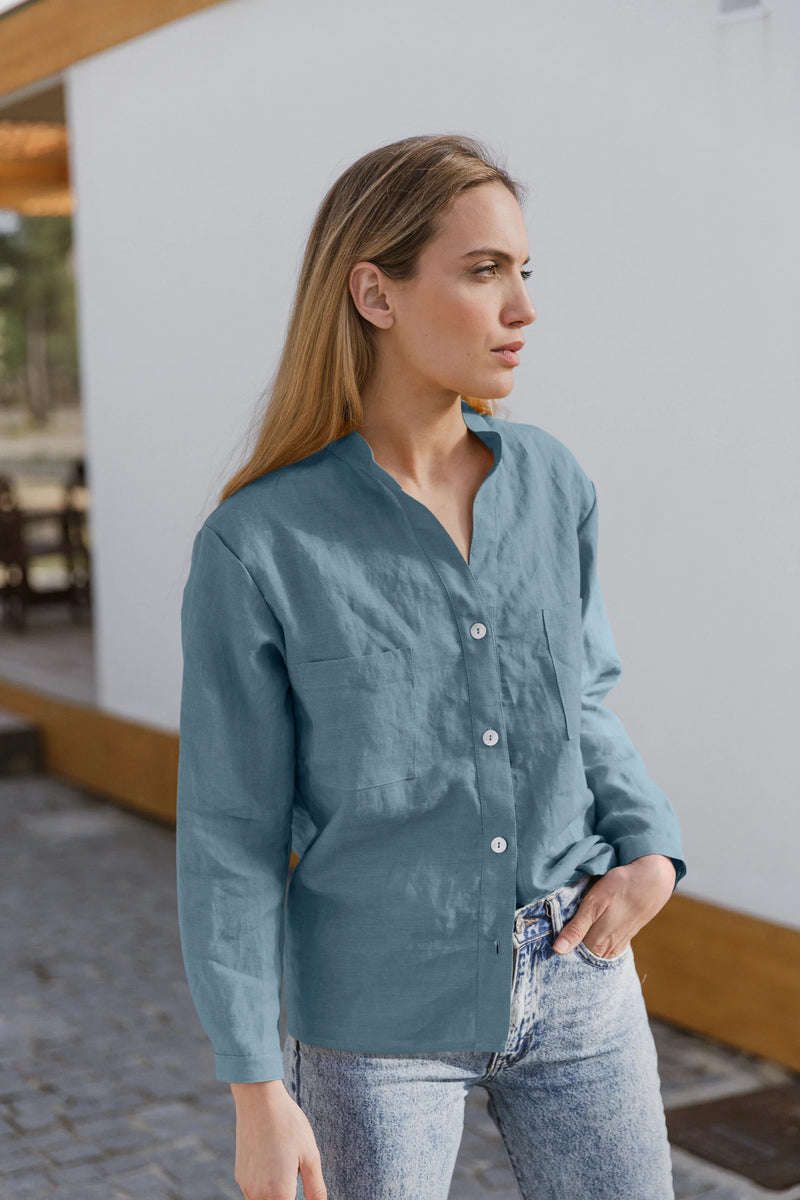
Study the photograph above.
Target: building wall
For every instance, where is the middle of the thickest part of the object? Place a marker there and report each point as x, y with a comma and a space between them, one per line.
664, 190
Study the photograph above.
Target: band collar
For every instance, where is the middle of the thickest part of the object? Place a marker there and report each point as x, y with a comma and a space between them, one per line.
355, 448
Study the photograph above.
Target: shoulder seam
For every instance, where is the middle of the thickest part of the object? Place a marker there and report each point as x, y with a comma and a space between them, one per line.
233, 553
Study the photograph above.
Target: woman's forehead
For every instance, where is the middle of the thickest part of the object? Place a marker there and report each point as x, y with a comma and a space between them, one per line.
485, 219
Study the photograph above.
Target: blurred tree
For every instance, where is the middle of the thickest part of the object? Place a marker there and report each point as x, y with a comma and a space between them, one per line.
38, 346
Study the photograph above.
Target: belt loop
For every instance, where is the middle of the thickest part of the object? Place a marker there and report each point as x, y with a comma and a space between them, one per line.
554, 912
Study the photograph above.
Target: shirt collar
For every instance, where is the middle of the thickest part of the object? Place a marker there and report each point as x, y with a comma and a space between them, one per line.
356, 449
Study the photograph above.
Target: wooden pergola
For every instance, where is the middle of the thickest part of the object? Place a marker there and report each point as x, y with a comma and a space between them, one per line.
34, 170
38, 40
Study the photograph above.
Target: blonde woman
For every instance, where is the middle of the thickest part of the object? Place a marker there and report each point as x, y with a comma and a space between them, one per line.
396, 653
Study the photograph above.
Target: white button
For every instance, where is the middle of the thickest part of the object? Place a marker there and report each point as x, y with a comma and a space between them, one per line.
499, 844
490, 737
478, 630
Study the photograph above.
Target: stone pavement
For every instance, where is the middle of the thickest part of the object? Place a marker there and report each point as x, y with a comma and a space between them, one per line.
107, 1088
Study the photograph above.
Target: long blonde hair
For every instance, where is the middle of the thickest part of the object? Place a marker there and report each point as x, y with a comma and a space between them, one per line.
382, 209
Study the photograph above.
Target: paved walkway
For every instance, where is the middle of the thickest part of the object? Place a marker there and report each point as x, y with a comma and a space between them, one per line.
107, 1090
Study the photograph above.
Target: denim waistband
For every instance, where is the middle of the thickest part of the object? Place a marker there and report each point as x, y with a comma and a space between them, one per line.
551, 912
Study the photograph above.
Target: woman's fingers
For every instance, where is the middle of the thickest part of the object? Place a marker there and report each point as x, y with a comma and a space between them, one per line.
589, 912
618, 905
313, 1183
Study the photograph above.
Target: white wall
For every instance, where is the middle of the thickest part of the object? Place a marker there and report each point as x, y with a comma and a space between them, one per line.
660, 151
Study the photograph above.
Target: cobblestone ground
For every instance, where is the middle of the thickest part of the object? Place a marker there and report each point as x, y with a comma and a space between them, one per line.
107, 1090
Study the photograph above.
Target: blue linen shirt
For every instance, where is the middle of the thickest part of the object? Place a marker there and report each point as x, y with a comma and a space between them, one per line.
427, 733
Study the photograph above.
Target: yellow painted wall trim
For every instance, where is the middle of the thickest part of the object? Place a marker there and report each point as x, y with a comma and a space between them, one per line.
704, 967
43, 38
126, 761
723, 973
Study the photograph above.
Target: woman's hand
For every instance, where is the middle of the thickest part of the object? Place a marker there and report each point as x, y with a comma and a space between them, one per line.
618, 905
274, 1141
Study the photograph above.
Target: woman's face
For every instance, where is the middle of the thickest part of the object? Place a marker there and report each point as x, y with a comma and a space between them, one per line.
467, 299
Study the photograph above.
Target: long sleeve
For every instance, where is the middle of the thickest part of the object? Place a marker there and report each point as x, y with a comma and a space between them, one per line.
234, 807
632, 813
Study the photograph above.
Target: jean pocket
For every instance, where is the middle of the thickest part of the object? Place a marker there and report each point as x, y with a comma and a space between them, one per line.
564, 629
589, 956
356, 719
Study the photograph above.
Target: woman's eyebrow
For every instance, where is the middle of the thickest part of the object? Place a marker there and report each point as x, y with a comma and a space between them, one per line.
501, 254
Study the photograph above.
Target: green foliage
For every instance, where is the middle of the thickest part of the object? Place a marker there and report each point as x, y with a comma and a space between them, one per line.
37, 308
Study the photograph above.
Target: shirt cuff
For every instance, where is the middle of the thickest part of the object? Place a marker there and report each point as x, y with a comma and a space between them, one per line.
636, 847
249, 1068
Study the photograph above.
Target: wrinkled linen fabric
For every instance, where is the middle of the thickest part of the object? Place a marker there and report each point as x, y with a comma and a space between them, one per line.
427, 733
575, 1094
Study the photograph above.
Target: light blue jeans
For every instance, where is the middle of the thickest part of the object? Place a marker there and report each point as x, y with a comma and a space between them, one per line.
575, 1093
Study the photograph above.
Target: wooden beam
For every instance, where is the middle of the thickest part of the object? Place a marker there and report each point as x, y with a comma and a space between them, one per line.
42, 38
38, 188
34, 167
46, 104
35, 173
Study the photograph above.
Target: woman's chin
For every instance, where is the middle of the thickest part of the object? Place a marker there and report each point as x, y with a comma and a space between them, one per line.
494, 389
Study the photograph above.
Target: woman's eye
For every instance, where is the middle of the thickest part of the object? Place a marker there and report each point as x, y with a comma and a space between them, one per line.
494, 267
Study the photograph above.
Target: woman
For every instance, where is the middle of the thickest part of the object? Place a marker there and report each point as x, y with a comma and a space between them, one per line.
395, 656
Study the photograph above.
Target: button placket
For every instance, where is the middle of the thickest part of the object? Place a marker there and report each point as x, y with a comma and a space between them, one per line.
472, 588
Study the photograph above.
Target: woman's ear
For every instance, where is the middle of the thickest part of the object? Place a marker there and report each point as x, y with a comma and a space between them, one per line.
369, 289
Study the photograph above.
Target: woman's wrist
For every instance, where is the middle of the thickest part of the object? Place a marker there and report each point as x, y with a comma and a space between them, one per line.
248, 1093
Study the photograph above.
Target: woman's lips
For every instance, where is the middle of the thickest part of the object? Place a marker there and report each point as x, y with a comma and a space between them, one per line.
508, 356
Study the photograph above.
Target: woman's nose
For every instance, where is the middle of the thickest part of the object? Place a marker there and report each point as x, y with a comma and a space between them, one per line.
522, 313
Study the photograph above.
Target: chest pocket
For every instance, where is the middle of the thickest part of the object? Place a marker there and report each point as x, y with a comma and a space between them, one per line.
563, 627
356, 719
